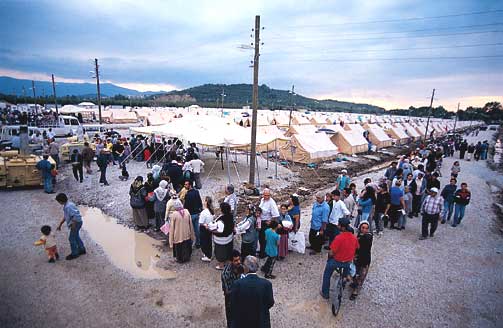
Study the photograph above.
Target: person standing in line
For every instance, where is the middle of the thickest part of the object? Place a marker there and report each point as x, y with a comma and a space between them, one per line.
462, 150
248, 230
471, 150
339, 210
231, 273
417, 188
270, 213
194, 204
343, 180
251, 298
160, 198
197, 166
73, 219
77, 165
362, 257
448, 196
181, 234
271, 249
431, 209
350, 202
223, 235
205, 219
381, 208
294, 211
102, 162
45, 167
231, 199
462, 198
319, 220
87, 156
137, 194
397, 204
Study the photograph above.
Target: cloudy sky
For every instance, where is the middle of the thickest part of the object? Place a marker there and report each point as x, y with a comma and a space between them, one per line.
388, 53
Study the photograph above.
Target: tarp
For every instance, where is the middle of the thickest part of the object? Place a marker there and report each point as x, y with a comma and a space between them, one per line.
208, 131
123, 116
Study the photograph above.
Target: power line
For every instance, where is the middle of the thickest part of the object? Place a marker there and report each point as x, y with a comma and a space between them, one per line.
399, 37
403, 19
400, 59
401, 49
278, 36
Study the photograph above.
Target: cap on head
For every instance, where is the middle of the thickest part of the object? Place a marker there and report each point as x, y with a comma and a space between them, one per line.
435, 190
344, 222
344, 171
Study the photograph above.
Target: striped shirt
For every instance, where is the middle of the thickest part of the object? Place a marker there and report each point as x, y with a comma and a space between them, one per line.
433, 205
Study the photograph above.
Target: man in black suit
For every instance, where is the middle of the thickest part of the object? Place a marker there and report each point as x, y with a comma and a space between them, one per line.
251, 298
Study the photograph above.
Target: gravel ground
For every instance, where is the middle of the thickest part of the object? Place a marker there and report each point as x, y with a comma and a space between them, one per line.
454, 279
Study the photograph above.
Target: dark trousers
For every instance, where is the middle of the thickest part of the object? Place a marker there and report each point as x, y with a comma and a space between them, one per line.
159, 220
206, 242
78, 172
416, 204
269, 265
315, 240
331, 232
103, 175
261, 238
228, 315
248, 249
394, 214
427, 220
462, 154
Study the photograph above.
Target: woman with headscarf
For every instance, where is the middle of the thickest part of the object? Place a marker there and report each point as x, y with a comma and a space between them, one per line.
137, 193
150, 187
223, 236
181, 233
160, 197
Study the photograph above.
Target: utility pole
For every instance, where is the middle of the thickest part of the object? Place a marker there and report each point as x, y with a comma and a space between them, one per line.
429, 114
223, 95
456, 120
54, 95
34, 96
292, 105
97, 72
253, 147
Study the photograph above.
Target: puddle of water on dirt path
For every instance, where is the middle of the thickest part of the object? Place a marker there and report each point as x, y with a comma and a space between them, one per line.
127, 249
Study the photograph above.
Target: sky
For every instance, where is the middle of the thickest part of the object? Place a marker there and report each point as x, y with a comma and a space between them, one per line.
382, 52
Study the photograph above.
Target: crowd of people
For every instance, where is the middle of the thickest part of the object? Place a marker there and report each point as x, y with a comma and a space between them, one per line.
343, 221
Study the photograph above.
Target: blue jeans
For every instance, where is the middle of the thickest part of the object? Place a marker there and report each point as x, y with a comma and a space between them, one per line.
459, 213
195, 224
76, 243
48, 183
448, 208
329, 270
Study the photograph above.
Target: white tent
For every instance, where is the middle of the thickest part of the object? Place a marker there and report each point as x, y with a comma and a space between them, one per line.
309, 148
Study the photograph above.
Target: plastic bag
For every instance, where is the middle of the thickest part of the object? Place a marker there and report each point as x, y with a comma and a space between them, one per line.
165, 228
297, 242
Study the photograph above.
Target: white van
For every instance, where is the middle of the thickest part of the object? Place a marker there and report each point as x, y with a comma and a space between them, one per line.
65, 127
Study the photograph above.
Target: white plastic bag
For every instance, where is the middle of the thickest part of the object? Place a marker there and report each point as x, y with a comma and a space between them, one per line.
297, 242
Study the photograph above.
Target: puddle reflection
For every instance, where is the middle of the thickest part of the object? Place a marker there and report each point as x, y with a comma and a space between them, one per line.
127, 249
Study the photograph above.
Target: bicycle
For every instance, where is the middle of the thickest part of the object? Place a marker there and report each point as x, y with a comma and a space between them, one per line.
339, 289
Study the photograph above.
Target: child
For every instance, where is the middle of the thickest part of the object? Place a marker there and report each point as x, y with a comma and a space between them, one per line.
271, 249
455, 169
407, 198
49, 242
287, 224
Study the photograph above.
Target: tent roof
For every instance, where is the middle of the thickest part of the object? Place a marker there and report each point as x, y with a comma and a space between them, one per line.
353, 137
318, 145
378, 132
302, 129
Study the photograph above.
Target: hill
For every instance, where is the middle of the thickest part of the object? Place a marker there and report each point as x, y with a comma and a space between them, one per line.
238, 95
9, 86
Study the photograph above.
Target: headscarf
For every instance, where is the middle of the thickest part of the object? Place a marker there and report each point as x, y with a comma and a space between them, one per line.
137, 184
179, 207
156, 171
173, 194
161, 191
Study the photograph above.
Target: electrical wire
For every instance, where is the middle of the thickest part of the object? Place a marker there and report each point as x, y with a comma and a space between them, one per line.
397, 59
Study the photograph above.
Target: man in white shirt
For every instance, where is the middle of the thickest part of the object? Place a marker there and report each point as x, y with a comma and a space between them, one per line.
50, 134
197, 166
231, 199
339, 210
269, 212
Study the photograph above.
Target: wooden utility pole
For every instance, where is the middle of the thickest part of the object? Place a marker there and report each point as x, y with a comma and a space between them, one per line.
223, 95
54, 95
456, 120
429, 114
253, 147
292, 105
34, 95
97, 72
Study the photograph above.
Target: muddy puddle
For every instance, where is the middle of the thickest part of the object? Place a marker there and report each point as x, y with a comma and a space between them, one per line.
129, 250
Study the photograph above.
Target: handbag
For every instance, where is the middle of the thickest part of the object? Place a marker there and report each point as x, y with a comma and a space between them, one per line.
297, 242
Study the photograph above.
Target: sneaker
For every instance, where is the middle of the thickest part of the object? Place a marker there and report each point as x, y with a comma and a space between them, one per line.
52, 261
71, 257
205, 259
270, 276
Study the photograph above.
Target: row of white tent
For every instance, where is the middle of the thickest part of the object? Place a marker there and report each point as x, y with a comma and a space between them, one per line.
308, 143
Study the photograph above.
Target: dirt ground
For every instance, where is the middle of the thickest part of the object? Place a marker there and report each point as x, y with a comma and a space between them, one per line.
453, 280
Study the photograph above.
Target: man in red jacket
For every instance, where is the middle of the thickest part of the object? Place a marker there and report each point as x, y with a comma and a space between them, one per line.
341, 255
